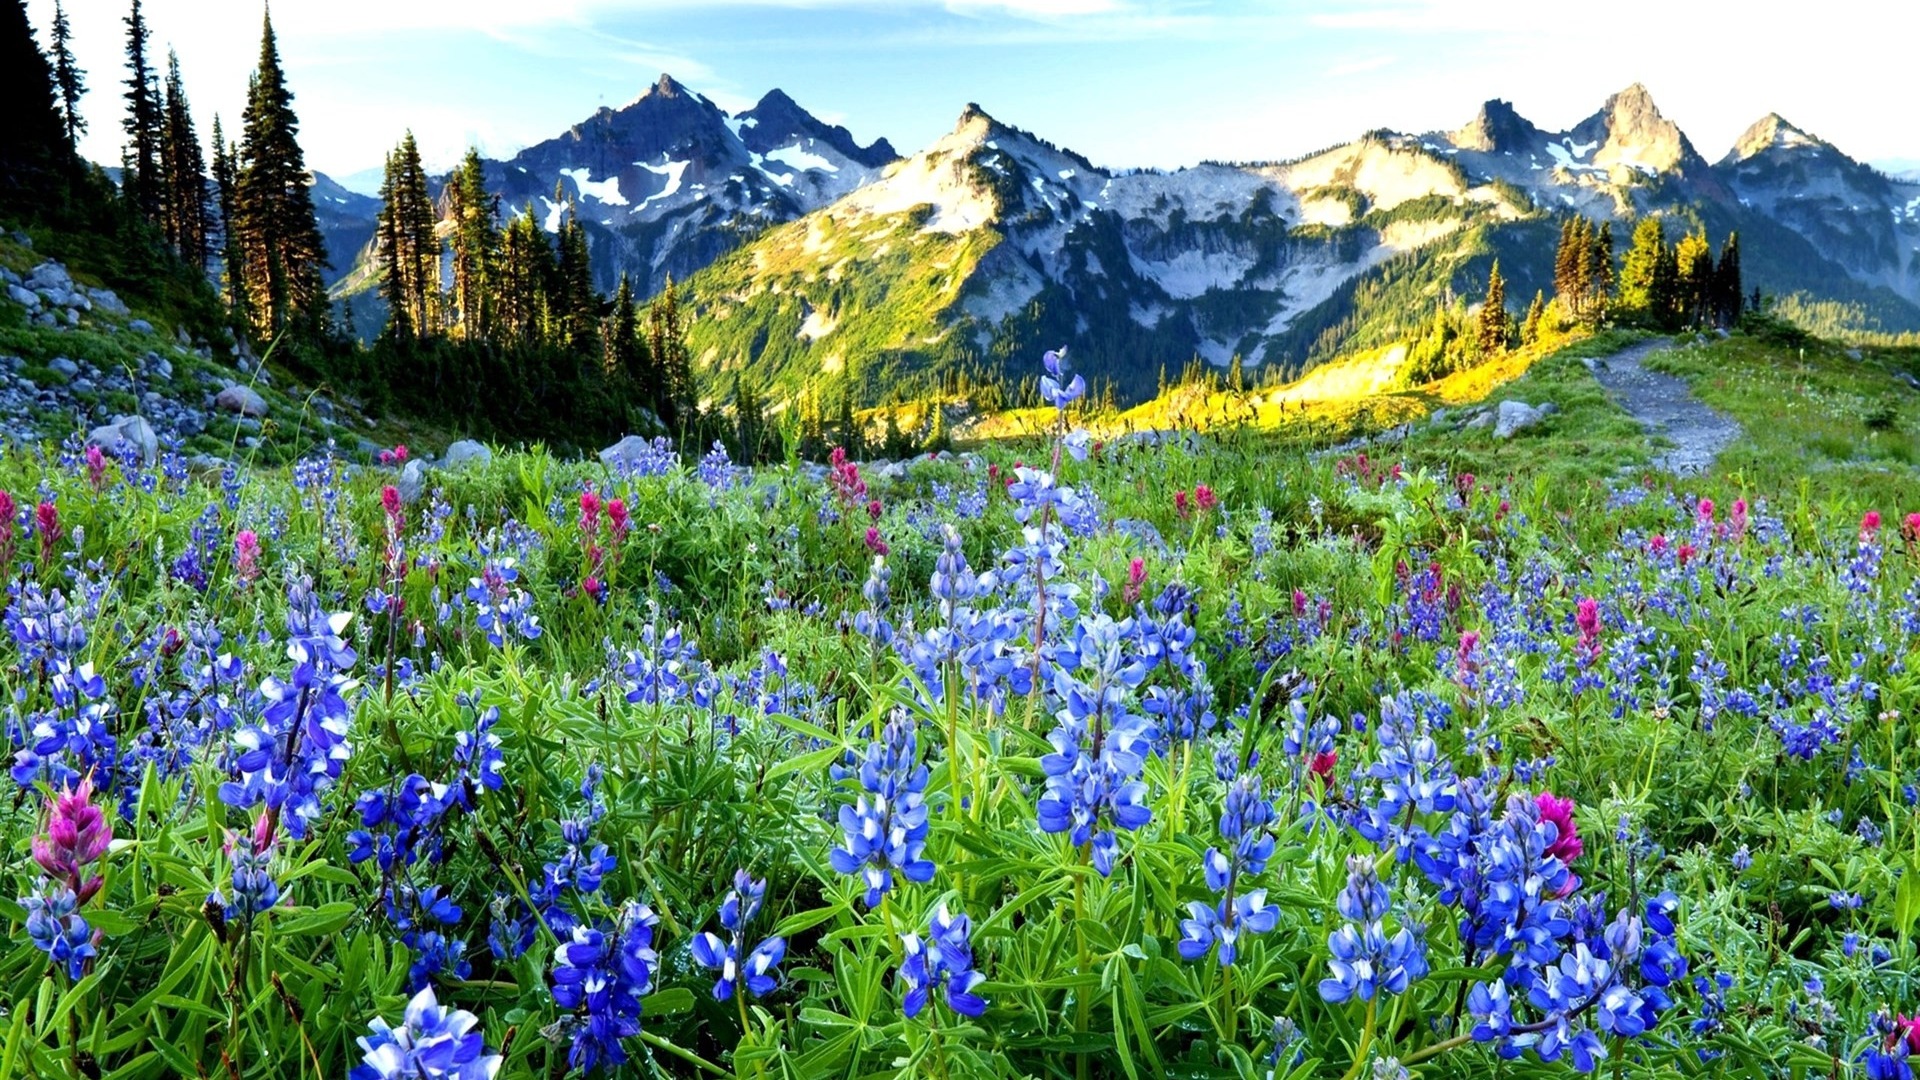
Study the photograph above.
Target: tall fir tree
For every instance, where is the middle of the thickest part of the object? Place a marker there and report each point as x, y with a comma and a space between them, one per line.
68, 77
1598, 283
520, 291
1728, 292
143, 177
475, 240
225, 191
1642, 294
621, 345
1694, 285
667, 347
33, 151
1536, 317
1495, 323
409, 244
576, 306
280, 244
184, 166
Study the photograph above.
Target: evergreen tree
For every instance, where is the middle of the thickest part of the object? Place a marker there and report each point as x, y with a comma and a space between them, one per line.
1643, 294
226, 188
667, 346
519, 294
938, 438
32, 135
184, 168
851, 438
1728, 294
409, 246
623, 351
1569, 265
576, 307
750, 420
1694, 284
280, 246
476, 247
1494, 321
1598, 283
68, 78
1536, 314
143, 178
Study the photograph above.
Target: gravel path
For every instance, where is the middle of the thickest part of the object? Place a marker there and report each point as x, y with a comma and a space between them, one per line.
1667, 407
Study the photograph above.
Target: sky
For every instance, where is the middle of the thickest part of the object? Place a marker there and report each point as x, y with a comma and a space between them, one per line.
1126, 82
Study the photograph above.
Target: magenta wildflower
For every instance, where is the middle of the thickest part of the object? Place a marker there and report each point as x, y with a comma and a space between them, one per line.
1567, 846
77, 833
246, 555
47, 523
96, 468
1587, 618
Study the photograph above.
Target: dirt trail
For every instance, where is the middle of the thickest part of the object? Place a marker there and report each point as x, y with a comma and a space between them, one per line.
1667, 407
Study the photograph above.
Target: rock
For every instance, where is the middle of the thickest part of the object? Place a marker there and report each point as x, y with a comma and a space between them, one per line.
1854, 354
207, 462
465, 451
161, 367
413, 481
24, 298
140, 326
127, 429
628, 453
1480, 420
242, 364
64, 366
1517, 416
108, 301
83, 385
241, 399
1439, 417
1551, 408
50, 275
73, 316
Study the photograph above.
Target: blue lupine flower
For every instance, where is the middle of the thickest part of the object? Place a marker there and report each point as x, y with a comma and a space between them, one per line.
433, 1043
886, 827
1100, 746
1365, 961
56, 928
943, 961
1243, 823
710, 950
1051, 390
600, 977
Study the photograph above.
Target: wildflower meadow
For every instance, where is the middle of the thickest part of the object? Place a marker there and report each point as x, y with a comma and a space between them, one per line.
1192, 757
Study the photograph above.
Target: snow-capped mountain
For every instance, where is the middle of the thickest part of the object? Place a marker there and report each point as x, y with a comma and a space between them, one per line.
670, 181
992, 244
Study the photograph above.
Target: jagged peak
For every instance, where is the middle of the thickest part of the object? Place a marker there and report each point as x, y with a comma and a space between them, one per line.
668, 86
1770, 132
1497, 126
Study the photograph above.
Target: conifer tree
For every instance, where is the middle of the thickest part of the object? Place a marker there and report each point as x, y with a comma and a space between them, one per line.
280, 245
32, 135
750, 421
620, 337
1694, 285
1642, 295
1728, 290
226, 187
526, 263
184, 167
576, 307
1536, 314
667, 346
1598, 283
1493, 328
475, 240
409, 246
1569, 263
68, 77
142, 177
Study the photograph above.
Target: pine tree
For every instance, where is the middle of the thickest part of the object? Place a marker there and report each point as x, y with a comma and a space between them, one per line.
226, 187
520, 290
750, 420
1569, 264
32, 135
1640, 295
1598, 282
1663, 294
667, 346
938, 438
620, 336
1694, 285
1536, 314
143, 178
409, 247
184, 166
280, 246
1494, 320
476, 247
576, 305
1728, 294
68, 78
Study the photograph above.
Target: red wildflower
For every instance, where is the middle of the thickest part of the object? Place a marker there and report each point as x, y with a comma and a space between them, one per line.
1466, 658
873, 509
617, 519
1586, 616
1136, 579
1299, 603
1204, 496
874, 543
246, 554
1322, 765
1704, 512
589, 512
76, 833
1869, 524
1180, 504
1738, 520
1686, 552
46, 518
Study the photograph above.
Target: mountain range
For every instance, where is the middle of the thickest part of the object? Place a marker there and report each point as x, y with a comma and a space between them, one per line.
809, 259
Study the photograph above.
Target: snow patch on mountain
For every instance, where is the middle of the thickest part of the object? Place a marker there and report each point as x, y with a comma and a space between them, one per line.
606, 191
800, 158
674, 171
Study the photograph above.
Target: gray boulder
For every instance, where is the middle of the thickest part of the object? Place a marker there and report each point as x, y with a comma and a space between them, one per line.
128, 429
1517, 416
413, 481
140, 326
50, 276
241, 399
108, 301
64, 366
467, 451
23, 297
1481, 420
628, 453
160, 366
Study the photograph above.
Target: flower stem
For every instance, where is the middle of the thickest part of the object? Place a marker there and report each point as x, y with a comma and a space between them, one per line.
1366, 1041
1080, 1003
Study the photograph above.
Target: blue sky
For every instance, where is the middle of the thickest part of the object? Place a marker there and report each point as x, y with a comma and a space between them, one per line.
1126, 82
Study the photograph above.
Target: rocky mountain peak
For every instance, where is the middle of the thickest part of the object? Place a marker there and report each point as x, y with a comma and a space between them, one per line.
1497, 127
1772, 132
1634, 137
